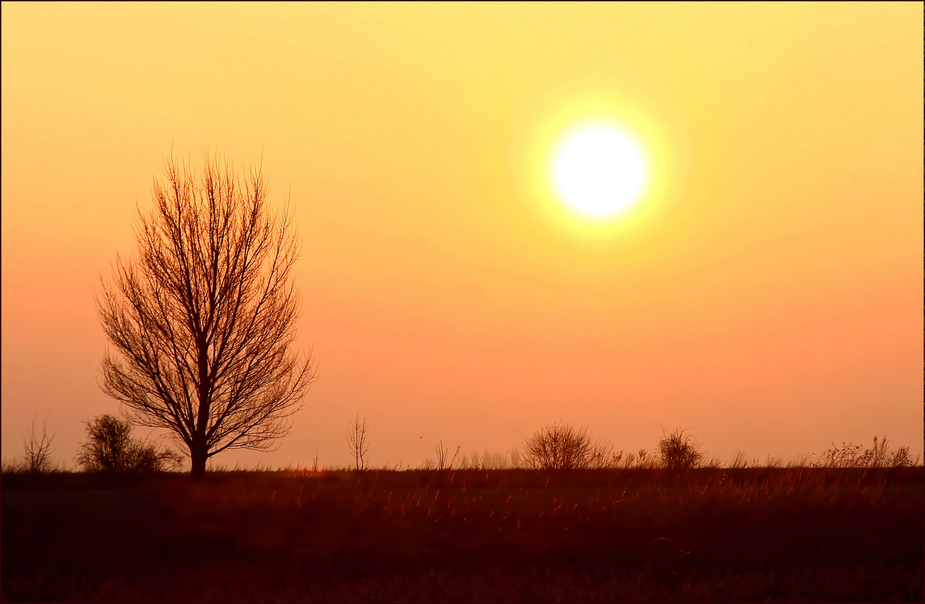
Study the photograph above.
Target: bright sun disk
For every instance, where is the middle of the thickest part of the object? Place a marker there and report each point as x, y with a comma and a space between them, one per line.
599, 170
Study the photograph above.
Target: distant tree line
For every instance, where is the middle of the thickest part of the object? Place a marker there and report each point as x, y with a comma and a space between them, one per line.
562, 447
559, 447
109, 448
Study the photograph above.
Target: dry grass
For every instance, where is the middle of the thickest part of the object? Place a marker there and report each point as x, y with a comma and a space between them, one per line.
502, 535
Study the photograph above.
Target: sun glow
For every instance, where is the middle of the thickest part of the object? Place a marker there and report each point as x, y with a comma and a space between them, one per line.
599, 170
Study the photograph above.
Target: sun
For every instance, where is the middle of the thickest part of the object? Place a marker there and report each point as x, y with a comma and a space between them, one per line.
599, 169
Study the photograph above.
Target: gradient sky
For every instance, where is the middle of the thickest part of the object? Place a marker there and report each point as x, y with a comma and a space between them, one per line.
767, 296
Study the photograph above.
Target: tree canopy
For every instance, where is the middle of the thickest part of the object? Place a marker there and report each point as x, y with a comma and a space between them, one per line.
203, 319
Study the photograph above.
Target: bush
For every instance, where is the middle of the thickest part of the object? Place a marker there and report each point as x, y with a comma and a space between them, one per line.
679, 452
38, 452
111, 449
559, 447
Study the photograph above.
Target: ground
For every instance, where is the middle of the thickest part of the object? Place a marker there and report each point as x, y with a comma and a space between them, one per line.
510, 535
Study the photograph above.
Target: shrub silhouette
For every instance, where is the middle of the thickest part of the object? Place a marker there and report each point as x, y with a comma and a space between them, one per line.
679, 452
37, 456
358, 443
559, 447
111, 449
879, 456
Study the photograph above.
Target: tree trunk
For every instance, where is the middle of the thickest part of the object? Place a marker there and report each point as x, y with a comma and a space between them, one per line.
198, 459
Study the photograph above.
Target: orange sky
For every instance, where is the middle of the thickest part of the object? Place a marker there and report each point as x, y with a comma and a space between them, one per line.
767, 296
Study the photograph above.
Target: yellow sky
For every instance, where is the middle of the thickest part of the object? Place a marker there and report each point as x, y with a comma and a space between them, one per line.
769, 297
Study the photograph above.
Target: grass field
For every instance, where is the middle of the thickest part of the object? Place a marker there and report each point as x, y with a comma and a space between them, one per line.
754, 534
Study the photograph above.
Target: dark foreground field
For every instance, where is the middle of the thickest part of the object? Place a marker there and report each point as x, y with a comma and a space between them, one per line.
498, 535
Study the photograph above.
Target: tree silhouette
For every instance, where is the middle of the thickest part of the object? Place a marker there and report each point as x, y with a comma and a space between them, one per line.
37, 456
203, 319
677, 451
559, 447
356, 441
110, 448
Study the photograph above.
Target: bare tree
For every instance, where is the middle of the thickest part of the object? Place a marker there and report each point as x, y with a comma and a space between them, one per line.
559, 447
356, 440
110, 448
204, 318
37, 456
677, 451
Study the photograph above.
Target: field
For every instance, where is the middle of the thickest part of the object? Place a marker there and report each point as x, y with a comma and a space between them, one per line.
755, 534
